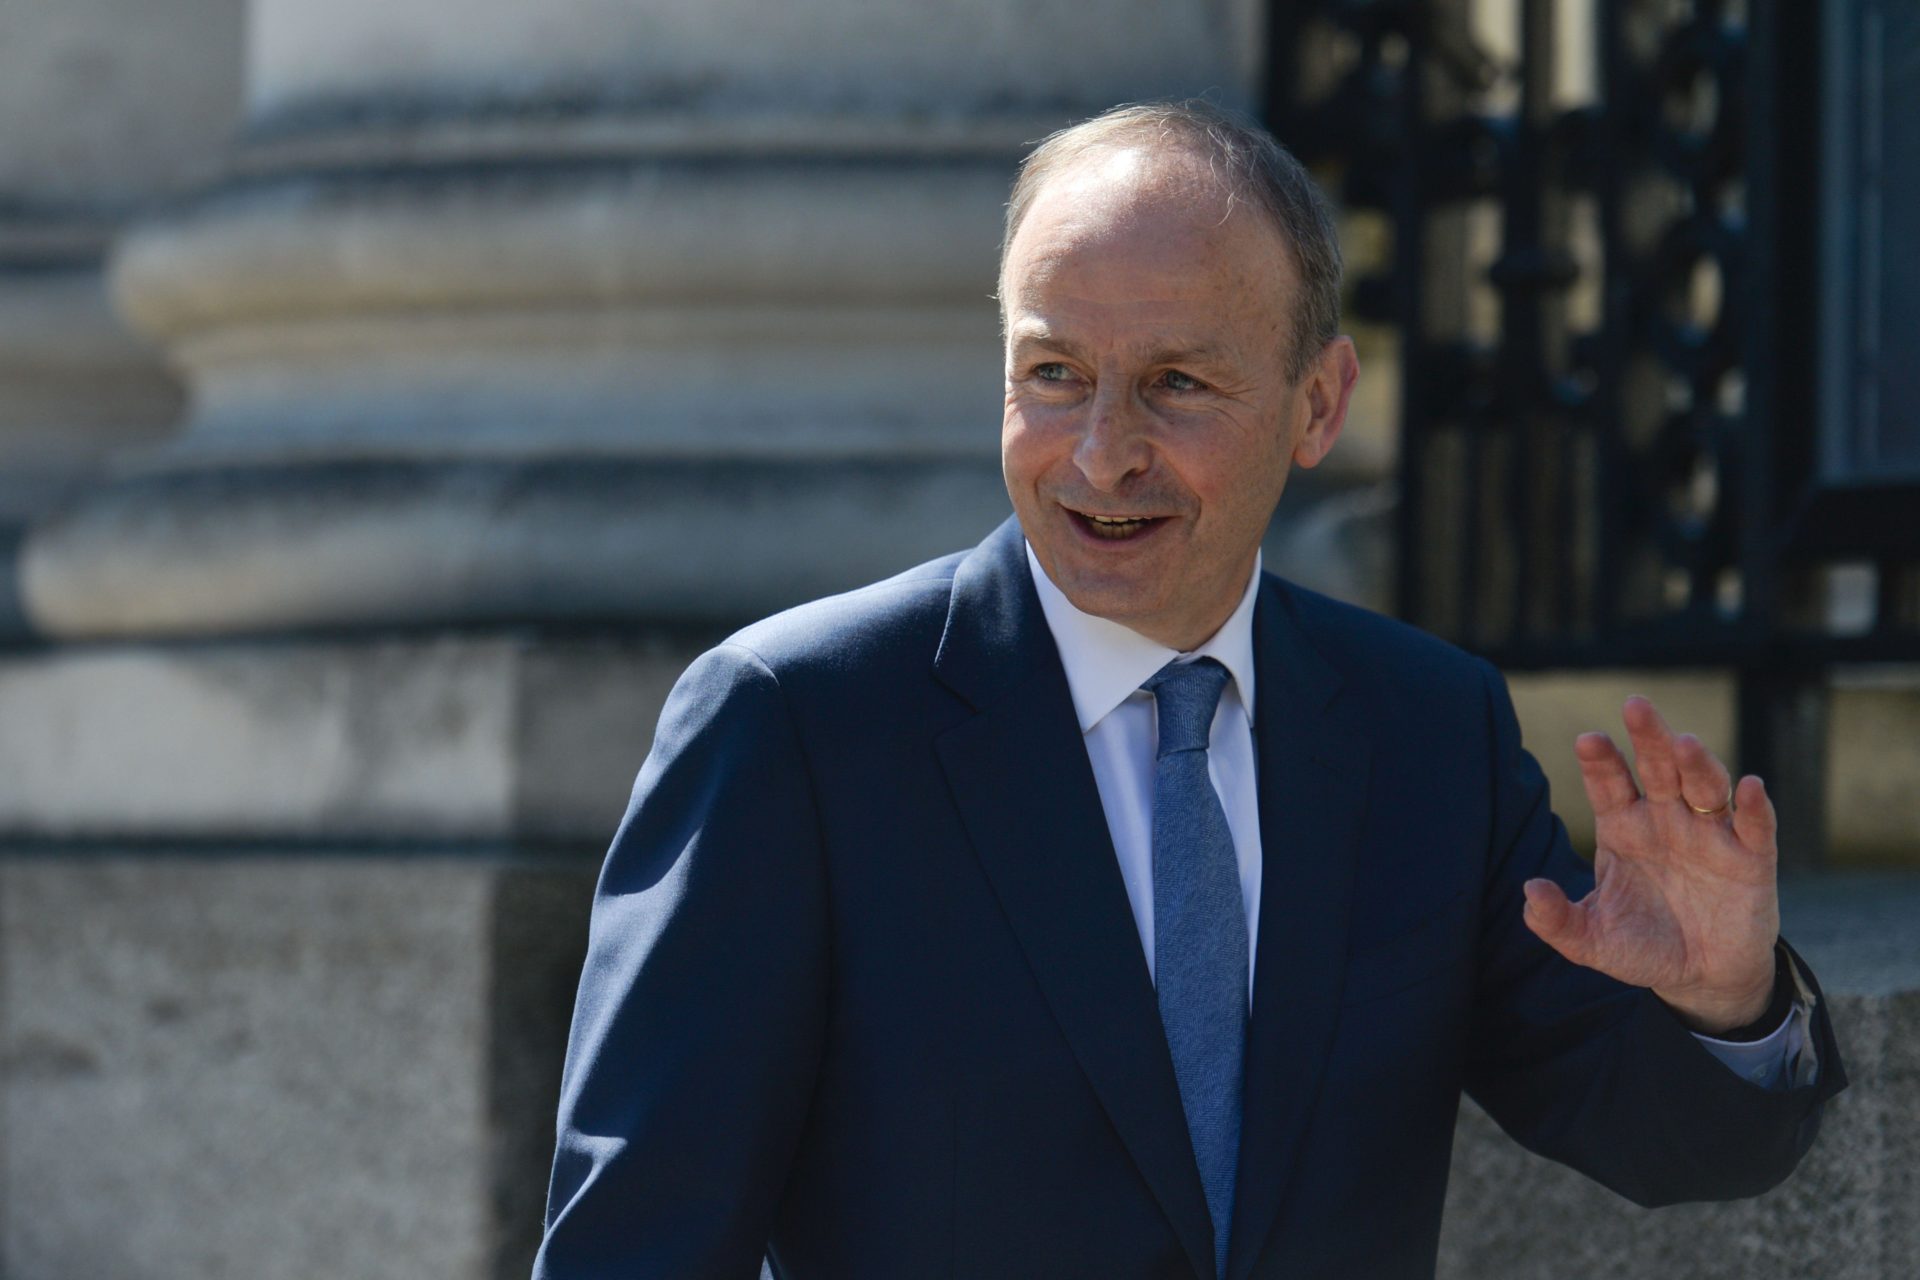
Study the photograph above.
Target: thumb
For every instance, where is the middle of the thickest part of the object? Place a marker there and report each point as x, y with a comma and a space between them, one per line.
1559, 923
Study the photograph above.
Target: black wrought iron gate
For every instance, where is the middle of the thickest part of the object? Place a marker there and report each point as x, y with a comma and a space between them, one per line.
1648, 262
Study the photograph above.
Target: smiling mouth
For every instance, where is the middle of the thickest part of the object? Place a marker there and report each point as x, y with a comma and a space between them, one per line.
1116, 528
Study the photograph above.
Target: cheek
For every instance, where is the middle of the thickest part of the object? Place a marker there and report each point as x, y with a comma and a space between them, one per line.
1022, 450
1016, 431
1242, 484
1031, 435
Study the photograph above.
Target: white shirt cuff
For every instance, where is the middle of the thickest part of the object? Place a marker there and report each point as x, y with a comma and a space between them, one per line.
1785, 1059
1764, 1062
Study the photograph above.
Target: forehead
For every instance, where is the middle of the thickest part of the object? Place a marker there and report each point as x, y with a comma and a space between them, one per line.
1147, 240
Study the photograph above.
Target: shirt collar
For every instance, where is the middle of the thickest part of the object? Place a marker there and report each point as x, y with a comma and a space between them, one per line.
1106, 663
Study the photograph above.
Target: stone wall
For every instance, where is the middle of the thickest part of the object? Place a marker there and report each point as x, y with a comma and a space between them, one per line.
1872, 749
1852, 1210
344, 1063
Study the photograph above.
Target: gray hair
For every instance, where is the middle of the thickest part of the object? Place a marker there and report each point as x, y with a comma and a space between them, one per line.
1247, 162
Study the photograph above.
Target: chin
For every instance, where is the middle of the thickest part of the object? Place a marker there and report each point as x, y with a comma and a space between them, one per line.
1114, 601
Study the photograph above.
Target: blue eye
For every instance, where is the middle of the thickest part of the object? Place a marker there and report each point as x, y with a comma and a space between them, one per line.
1174, 380
1051, 372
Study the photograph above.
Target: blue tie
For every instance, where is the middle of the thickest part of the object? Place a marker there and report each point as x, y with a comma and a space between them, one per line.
1199, 932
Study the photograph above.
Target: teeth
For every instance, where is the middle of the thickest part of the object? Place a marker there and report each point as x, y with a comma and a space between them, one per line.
1117, 526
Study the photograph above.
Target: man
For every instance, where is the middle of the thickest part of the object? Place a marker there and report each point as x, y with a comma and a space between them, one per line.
1091, 904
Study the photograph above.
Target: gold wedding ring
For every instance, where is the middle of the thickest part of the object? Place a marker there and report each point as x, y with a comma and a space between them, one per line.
1717, 810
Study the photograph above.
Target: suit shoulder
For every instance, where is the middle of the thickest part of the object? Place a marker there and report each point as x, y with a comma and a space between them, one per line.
1378, 649
896, 619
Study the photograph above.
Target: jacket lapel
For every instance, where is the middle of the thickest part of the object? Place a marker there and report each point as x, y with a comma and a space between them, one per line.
1025, 790
1313, 761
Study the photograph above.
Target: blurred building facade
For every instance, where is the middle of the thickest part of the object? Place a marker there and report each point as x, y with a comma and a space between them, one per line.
393, 397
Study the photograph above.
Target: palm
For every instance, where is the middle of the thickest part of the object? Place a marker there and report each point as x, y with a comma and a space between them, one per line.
1684, 902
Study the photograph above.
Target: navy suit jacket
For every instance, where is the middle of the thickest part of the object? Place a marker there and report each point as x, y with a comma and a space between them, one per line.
864, 991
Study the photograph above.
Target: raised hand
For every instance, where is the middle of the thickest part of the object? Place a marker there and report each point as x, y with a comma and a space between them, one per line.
1685, 900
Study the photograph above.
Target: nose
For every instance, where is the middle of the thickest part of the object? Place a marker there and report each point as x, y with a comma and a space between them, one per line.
1113, 442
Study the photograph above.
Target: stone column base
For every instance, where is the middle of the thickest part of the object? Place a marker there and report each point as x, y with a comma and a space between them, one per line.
281, 1067
439, 741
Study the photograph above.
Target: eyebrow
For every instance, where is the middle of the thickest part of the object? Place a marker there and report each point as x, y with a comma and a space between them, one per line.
1030, 333
1185, 355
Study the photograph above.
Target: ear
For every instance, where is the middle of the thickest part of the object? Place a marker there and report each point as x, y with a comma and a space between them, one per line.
1328, 387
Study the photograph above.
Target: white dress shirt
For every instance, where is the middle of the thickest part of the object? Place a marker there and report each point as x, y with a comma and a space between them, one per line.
1106, 663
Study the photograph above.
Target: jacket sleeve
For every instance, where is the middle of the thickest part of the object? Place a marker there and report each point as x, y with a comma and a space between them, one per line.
699, 1020
1596, 1074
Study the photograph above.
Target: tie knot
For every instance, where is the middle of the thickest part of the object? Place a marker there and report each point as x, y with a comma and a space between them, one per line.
1187, 693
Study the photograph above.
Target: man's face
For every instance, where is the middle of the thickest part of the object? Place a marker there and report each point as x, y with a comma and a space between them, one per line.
1150, 422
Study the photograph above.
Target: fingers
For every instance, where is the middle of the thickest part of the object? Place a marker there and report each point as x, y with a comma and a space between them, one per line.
1653, 750
1704, 783
1561, 924
1604, 772
1754, 821
1673, 767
